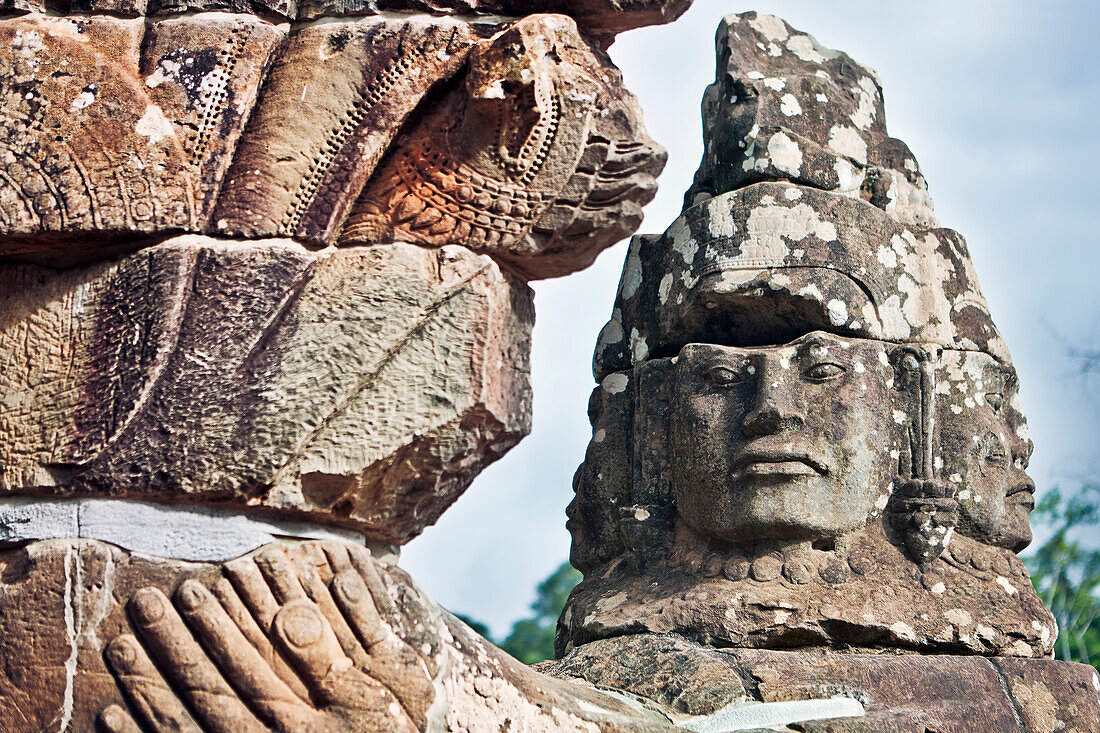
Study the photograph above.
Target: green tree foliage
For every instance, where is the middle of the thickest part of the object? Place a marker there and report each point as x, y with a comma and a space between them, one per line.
1067, 575
532, 639
477, 626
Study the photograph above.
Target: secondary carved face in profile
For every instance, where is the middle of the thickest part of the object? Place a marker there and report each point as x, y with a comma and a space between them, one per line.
783, 442
985, 448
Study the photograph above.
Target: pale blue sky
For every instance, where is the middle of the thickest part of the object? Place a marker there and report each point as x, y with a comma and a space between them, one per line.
1000, 102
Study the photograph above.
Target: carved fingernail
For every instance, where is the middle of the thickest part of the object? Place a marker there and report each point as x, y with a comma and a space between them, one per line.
147, 606
122, 653
350, 587
191, 596
300, 624
113, 717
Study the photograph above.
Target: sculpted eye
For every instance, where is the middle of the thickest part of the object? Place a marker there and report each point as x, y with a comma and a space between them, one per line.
823, 371
723, 376
995, 450
995, 401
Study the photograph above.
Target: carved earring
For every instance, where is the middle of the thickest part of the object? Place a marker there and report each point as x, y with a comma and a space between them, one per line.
923, 509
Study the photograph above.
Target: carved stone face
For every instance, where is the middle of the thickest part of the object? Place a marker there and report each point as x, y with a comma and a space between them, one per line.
985, 448
782, 442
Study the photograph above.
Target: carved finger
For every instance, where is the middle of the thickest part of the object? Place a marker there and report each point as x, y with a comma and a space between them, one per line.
280, 575
358, 607
319, 594
392, 662
364, 562
116, 720
338, 558
314, 560
309, 641
150, 696
254, 590
237, 611
187, 667
239, 661
398, 616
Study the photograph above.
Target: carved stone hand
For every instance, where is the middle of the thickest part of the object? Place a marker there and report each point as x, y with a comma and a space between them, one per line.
292, 641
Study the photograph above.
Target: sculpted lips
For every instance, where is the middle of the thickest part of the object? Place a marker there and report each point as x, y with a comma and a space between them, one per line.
1022, 493
779, 461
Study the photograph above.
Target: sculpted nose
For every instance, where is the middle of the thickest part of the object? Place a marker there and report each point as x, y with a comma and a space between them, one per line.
774, 410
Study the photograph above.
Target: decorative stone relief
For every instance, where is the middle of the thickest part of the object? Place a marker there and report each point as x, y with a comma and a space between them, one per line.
363, 386
539, 159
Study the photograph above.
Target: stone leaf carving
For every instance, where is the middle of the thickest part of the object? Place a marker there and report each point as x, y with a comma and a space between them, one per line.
785, 107
87, 158
900, 692
331, 104
539, 158
204, 72
771, 261
363, 386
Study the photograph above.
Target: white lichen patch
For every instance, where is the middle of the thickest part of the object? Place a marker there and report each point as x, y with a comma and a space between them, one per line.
82, 100
867, 93
664, 287
154, 125
807, 49
1008, 587
611, 333
784, 154
847, 141
615, 383
838, 312
632, 275
959, 617
904, 631
770, 27
775, 83
789, 105
639, 349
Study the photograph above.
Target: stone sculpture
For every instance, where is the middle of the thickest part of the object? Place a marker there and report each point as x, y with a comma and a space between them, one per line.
265, 297
807, 435
216, 335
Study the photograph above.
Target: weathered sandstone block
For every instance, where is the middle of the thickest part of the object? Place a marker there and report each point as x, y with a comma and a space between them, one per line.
331, 104
364, 386
87, 157
601, 19
902, 694
204, 72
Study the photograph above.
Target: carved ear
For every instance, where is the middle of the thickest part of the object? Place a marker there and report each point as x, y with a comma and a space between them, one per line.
915, 385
